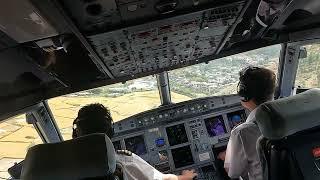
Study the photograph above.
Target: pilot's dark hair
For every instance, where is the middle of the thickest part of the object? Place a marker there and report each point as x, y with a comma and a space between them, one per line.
93, 118
257, 84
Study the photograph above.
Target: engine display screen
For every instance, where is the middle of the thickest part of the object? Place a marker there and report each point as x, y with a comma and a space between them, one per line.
177, 134
117, 145
236, 118
182, 156
136, 145
215, 126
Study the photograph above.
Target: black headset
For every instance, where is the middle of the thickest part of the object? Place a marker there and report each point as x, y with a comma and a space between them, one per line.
75, 125
244, 89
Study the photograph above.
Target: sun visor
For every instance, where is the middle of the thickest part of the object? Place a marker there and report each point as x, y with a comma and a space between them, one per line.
23, 22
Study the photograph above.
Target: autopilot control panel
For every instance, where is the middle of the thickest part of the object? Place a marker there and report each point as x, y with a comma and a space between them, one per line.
187, 135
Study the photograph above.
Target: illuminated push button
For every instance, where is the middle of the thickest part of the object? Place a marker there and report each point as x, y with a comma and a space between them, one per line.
316, 155
316, 152
160, 116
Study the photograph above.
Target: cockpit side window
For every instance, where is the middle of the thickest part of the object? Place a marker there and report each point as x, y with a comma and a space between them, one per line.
16, 137
308, 73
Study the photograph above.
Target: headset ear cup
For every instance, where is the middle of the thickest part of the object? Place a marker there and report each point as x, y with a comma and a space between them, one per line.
73, 134
242, 91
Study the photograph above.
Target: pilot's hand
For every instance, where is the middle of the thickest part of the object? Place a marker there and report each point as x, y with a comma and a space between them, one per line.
162, 157
187, 175
222, 155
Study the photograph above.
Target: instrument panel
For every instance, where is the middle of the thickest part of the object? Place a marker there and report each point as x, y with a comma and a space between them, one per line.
184, 140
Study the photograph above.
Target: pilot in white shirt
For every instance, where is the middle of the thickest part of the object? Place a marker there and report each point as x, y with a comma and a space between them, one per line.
256, 86
241, 157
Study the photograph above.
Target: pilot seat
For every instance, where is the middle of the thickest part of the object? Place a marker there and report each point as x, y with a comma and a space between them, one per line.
289, 147
88, 157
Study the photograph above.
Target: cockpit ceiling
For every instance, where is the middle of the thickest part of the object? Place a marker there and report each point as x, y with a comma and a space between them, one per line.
164, 43
94, 15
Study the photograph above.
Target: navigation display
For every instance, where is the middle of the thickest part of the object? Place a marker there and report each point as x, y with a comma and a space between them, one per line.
236, 118
136, 145
182, 156
177, 134
117, 145
215, 126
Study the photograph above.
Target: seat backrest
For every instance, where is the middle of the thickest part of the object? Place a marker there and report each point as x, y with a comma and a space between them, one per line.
289, 146
87, 157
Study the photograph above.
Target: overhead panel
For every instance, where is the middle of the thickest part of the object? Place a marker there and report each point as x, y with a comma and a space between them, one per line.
165, 43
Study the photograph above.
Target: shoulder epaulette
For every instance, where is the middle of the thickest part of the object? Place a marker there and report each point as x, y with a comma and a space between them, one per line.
124, 152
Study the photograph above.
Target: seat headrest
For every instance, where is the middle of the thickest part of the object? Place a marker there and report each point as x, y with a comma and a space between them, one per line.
284, 117
83, 157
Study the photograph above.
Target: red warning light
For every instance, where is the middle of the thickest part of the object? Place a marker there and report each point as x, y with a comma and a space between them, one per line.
316, 152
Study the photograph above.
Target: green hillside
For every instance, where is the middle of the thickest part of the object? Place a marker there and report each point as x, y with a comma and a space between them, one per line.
308, 74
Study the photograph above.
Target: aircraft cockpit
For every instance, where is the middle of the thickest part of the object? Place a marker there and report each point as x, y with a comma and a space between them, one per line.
167, 70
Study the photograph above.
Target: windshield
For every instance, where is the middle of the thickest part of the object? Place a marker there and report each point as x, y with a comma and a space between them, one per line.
123, 100
220, 77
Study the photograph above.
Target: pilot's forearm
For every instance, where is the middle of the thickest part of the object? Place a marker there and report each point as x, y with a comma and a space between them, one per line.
180, 177
170, 177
